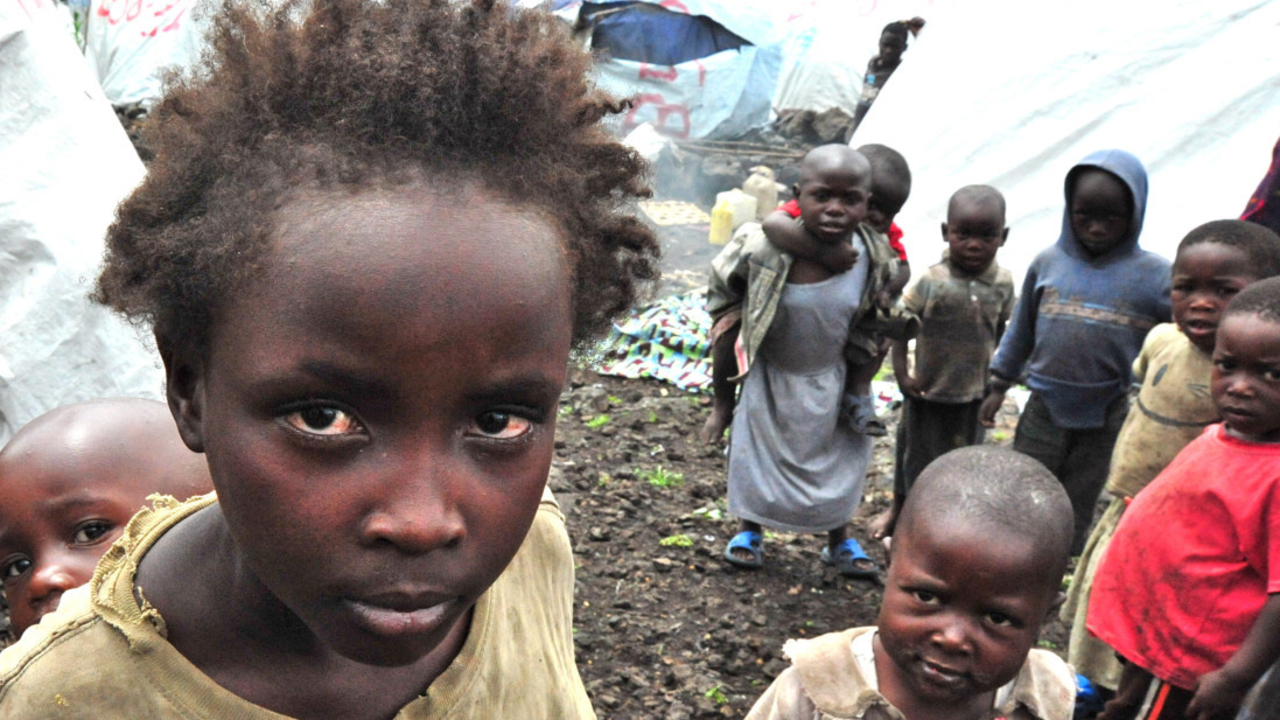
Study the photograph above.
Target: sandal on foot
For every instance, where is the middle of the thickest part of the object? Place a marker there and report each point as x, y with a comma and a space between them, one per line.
750, 541
860, 414
851, 561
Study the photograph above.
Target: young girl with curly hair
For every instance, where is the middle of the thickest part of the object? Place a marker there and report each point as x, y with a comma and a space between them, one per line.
372, 233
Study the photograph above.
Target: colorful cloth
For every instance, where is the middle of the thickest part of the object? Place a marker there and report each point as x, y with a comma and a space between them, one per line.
1264, 204
667, 340
1193, 559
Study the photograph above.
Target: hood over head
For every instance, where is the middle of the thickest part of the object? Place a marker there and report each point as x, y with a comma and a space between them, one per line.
1129, 169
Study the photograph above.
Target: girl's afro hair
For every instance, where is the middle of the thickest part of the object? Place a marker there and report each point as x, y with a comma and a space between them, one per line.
354, 94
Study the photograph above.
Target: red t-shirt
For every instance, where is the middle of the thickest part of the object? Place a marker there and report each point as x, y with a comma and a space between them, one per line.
1193, 559
792, 208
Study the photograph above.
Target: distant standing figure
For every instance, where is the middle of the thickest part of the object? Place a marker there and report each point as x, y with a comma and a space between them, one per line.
893, 43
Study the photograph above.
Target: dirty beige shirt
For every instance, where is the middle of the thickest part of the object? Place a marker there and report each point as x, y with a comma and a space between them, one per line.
100, 656
832, 677
1173, 408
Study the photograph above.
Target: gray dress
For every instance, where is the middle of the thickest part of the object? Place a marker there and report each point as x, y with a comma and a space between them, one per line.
792, 464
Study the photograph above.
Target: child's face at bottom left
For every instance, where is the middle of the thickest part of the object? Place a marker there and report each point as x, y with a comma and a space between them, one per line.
961, 610
378, 410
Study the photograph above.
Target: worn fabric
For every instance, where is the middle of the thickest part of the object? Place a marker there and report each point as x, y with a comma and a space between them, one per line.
1081, 320
750, 274
833, 677
100, 656
1078, 458
1142, 696
961, 320
1193, 559
928, 430
792, 464
1090, 656
1172, 408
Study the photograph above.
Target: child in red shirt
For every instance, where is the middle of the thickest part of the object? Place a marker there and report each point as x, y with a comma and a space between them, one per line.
1189, 591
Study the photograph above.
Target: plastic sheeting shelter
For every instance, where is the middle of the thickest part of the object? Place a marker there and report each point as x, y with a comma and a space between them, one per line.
67, 164
719, 94
1010, 97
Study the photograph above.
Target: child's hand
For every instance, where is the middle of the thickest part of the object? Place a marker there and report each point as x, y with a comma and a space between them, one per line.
884, 300
990, 407
1217, 695
910, 386
838, 257
713, 429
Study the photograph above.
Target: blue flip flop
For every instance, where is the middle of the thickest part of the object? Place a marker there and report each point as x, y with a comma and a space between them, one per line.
846, 561
752, 542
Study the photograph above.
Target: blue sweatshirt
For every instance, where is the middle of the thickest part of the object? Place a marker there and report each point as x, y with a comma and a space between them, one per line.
1081, 320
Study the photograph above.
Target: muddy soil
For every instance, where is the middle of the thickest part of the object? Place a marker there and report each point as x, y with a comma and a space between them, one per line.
664, 627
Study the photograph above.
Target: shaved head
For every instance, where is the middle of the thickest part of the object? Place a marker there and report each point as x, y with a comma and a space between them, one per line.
995, 492
975, 197
825, 159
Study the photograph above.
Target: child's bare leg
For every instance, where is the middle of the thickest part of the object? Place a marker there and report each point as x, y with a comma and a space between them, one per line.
858, 403
723, 364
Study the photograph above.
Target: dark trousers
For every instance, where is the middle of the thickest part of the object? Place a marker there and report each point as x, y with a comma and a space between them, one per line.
1142, 696
927, 430
1079, 459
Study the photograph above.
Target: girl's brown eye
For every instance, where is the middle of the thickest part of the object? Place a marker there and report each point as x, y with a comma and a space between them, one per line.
323, 420
501, 425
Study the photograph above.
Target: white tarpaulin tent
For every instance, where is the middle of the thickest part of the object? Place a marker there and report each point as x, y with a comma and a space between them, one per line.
1013, 95
129, 44
827, 45
67, 164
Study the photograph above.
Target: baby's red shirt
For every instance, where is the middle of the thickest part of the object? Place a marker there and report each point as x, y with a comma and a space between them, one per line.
1193, 560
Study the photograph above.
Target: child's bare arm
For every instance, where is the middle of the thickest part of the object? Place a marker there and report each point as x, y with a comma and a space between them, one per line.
723, 364
894, 287
906, 383
783, 232
1220, 692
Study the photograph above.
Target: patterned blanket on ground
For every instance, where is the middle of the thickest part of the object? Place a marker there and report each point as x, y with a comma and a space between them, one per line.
666, 340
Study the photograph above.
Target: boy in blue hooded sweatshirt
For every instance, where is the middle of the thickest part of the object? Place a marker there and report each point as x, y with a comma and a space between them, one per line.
1086, 305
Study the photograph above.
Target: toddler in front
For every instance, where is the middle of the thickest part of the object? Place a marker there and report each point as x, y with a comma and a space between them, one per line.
371, 235
1188, 592
978, 557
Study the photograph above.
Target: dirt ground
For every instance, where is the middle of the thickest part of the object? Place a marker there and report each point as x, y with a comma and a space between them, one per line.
664, 627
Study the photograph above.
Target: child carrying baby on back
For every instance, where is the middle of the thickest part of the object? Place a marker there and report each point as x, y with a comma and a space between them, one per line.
794, 463
978, 556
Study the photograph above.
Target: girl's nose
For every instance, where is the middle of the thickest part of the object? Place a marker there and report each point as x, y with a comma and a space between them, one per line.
417, 514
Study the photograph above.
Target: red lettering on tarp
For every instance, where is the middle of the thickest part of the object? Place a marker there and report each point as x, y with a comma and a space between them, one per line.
647, 71
674, 5
664, 110
166, 19
702, 73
